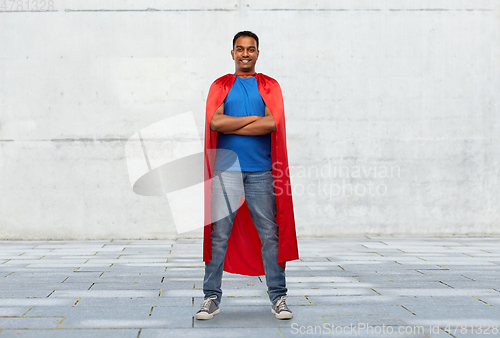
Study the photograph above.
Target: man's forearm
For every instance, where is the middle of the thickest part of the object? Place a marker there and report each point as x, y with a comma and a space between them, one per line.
225, 123
262, 126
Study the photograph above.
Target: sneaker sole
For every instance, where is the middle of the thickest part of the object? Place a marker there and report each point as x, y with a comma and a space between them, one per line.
206, 315
283, 315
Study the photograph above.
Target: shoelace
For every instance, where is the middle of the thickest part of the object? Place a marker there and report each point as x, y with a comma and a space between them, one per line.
281, 305
205, 305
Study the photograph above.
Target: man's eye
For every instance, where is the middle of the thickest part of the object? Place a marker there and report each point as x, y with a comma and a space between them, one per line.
239, 50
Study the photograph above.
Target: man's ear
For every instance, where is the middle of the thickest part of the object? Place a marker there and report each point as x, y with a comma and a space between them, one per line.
232, 54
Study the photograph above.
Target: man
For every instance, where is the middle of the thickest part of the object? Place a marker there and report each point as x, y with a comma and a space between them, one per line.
245, 116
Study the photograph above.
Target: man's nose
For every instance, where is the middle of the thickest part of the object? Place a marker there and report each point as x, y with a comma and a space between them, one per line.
245, 52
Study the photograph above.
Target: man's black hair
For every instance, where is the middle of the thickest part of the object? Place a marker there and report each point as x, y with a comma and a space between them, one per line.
246, 33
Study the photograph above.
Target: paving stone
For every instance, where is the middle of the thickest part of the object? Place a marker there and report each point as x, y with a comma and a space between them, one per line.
450, 292
47, 287
330, 292
321, 279
128, 318
100, 312
130, 301
13, 310
20, 276
33, 293
225, 291
132, 286
213, 333
327, 286
35, 301
103, 293
64, 333
379, 280
354, 300
444, 311
28, 322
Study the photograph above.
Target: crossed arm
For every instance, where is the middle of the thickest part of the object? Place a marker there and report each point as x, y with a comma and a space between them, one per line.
245, 125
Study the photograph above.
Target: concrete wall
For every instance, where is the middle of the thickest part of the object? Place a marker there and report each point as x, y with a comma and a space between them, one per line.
392, 110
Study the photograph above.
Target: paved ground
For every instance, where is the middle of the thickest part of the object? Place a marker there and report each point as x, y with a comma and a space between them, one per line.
356, 287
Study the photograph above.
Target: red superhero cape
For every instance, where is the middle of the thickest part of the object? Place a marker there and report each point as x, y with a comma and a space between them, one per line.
243, 255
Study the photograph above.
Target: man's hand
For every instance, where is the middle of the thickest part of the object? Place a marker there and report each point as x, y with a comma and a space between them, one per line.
224, 123
261, 126
236, 131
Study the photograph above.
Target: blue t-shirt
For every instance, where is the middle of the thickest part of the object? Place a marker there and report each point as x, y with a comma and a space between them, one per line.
254, 151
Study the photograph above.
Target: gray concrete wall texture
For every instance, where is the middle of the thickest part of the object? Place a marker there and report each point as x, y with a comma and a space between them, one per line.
392, 110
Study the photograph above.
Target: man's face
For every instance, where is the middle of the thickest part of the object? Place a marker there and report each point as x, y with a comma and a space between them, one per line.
245, 54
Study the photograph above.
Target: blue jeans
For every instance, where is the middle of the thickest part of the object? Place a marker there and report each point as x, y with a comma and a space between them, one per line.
259, 195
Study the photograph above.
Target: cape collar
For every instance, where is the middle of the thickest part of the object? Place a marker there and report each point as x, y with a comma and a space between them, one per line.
251, 75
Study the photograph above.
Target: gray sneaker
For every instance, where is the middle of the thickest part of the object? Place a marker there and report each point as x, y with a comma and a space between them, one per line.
280, 310
209, 308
